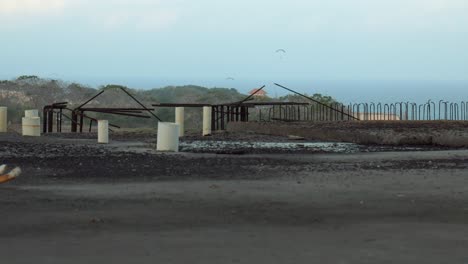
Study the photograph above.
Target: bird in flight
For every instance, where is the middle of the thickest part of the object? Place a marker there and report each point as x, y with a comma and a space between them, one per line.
281, 52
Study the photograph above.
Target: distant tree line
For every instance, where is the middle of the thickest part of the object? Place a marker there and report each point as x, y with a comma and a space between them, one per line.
33, 92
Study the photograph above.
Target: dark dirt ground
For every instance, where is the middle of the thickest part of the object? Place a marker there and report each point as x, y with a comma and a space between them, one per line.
78, 202
395, 133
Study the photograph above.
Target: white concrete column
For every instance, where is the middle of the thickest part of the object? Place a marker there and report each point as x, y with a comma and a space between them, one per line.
31, 113
207, 120
103, 131
3, 119
179, 119
31, 126
168, 137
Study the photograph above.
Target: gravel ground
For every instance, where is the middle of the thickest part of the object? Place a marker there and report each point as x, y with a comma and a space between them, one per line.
78, 202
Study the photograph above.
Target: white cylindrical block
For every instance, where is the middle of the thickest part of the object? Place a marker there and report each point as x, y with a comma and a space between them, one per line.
3, 119
31, 126
31, 113
103, 131
207, 120
168, 137
179, 119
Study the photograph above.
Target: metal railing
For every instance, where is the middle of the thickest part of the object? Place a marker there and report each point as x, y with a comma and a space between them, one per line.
430, 110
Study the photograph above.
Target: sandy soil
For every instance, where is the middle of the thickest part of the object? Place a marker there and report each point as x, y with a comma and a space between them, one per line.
124, 203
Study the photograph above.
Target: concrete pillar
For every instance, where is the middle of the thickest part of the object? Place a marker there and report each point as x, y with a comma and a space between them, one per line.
31, 113
103, 131
168, 137
3, 119
179, 119
31, 126
207, 120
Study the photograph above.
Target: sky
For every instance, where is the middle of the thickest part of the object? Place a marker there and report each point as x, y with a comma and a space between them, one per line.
328, 43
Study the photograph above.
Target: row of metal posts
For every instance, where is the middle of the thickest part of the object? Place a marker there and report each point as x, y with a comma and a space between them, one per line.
223, 114
411, 111
368, 111
48, 118
312, 112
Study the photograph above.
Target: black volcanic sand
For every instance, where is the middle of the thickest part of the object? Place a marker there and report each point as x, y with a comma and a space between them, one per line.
234, 143
78, 202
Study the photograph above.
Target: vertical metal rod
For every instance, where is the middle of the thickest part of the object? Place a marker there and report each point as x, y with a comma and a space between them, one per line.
223, 125
81, 121
228, 114
61, 119
57, 121
213, 118
74, 123
44, 119
246, 114
440, 108
50, 121
342, 112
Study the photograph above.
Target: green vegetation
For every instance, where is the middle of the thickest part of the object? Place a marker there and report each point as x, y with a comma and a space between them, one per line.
112, 86
317, 97
27, 77
32, 92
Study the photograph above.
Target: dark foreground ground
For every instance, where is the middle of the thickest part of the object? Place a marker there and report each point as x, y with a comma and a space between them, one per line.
124, 203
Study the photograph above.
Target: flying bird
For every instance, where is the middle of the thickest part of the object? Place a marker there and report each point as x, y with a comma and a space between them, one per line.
281, 52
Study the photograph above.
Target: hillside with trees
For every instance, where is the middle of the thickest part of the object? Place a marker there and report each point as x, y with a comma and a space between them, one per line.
32, 92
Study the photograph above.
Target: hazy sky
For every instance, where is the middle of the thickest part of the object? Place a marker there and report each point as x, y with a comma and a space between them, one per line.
209, 40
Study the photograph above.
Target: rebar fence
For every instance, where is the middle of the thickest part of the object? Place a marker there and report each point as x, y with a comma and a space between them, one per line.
430, 110
441, 110
304, 112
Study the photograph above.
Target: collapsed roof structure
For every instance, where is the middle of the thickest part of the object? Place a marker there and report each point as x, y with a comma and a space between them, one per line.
221, 113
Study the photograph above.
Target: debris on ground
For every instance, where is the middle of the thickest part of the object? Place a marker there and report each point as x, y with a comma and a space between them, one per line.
8, 176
